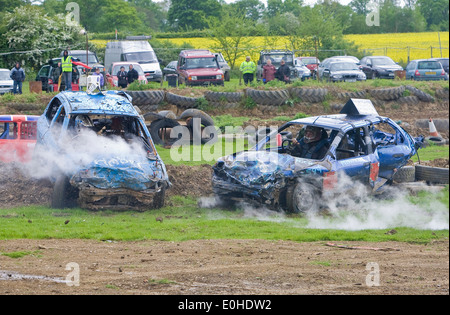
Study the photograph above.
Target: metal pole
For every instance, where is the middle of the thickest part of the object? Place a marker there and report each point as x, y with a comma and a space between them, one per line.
440, 47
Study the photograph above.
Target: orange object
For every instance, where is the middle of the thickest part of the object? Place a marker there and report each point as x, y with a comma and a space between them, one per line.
433, 131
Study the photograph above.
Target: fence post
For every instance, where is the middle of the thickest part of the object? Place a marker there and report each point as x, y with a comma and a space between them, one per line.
431, 50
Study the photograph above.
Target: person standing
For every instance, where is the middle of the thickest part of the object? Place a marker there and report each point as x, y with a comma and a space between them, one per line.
248, 68
67, 70
268, 72
122, 78
18, 76
283, 72
132, 75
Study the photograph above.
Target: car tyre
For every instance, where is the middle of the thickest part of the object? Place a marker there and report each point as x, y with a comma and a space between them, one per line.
434, 175
159, 126
159, 199
405, 174
64, 194
302, 198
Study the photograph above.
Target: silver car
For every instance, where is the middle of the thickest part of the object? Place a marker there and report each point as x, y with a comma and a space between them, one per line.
6, 84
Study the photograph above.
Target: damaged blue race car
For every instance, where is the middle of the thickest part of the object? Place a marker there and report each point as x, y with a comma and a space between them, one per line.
99, 153
297, 174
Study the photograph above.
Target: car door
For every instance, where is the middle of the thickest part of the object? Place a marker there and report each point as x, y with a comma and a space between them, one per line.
354, 157
393, 147
365, 67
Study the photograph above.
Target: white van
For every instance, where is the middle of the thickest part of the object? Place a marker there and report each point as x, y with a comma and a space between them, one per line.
137, 51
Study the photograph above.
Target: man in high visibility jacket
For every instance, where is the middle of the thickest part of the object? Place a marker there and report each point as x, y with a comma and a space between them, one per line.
67, 70
248, 68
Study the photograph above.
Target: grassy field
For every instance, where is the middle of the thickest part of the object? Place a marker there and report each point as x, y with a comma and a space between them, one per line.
183, 220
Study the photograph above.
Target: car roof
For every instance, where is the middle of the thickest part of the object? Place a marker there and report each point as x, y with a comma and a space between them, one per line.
2, 69
196, 53
342, 122
108, 102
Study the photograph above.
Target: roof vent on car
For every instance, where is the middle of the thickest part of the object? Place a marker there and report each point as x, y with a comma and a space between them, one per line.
358, 106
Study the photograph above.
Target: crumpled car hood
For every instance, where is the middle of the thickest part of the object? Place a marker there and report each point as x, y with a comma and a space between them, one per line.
131, 172
262, 167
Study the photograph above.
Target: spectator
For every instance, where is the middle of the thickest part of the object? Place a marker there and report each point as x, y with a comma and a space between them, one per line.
18, 76
67, 70
97, 73
132, 75
122, 78
248, 68
283, 72
268, 72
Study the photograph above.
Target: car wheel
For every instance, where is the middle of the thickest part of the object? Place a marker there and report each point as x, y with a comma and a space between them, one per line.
64, 194
434, 175
159, 199
158, 131
303, 198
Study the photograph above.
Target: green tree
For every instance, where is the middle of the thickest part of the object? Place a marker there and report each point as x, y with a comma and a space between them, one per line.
192, 14
120, 15
436, 13
250, 9
32, 31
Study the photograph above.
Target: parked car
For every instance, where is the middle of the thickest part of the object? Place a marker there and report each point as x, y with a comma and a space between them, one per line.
224, 66
199, 67
425, 70
345, 71
6, 84
49, 76
111, 75
100, 153
135, 49
17, 137
325, 64
360, 146
171, 68
381, 67
276, 56
311, 63
302, 71
444, 63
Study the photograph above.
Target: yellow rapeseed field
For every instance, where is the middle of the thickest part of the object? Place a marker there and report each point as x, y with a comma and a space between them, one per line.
398, 46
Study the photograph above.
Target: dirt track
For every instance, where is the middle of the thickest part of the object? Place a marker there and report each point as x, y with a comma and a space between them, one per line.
224, 267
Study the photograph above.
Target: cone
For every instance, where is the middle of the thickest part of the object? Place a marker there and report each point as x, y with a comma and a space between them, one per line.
433, 131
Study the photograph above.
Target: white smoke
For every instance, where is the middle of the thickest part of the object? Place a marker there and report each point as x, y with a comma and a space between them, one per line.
72, 153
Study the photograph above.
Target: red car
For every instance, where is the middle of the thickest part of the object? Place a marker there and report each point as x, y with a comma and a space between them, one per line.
311, 63
17, 137
199, 67
111, 76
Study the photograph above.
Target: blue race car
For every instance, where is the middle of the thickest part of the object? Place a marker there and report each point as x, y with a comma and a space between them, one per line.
356, 144
99, 153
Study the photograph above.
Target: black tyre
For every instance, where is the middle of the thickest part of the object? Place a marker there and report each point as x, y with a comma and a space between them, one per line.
270, 97
309, 95
434, 175
64, 194
205, 121
181, 101
388, 94
158, 131
405, 174
302, 198
423, 96
436, 140
227, 76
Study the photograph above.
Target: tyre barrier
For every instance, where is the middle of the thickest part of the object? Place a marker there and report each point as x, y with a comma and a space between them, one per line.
268, 97
405, 174
158, 131
348, 95
224, 97
388, 94
147, 97
181, 101
432, 175
436, 140
421, 95
409, 100
309, 95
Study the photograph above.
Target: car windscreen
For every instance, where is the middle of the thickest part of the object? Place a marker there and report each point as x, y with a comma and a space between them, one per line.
202, 62
343, 66
382, 62
276, 59
4, 75
429, 65
116, 69
309, 61
141, 57
82, 57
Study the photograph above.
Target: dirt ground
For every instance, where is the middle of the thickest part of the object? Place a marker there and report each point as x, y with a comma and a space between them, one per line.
224, 267
219, 267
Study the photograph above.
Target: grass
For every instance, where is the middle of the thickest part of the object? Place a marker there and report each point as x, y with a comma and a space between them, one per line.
20, 254
183, 220
432, 152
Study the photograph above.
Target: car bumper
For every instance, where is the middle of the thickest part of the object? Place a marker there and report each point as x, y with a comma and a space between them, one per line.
346, 80
5, 90
205, 82
430, 78
153, 77
386, 75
